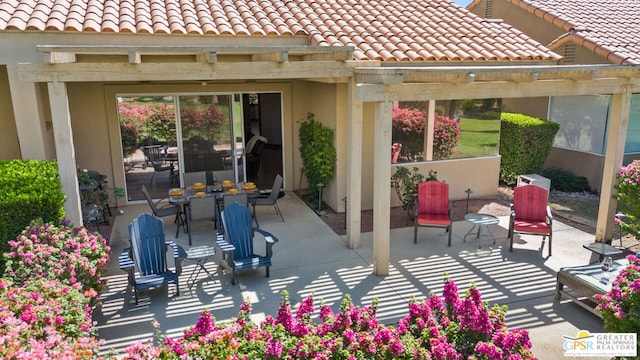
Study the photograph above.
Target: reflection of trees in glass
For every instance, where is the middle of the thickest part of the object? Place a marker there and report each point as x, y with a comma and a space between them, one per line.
206, 123
408, 130
141, 121
484, 109
445, 137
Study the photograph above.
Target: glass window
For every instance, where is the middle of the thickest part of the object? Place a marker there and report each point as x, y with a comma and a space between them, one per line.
206, 132
583, 121
632, 144
460, 129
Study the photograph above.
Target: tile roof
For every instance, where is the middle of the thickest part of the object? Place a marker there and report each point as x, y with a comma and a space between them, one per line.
609, 28
434, 30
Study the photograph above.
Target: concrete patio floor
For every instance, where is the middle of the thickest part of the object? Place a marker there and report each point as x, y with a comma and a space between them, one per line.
311, 258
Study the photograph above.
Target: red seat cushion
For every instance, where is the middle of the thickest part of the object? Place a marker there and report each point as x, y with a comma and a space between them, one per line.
433, 219
537, 227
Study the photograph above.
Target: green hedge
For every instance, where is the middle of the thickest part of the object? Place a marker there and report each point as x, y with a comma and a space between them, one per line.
30, 190
525, 144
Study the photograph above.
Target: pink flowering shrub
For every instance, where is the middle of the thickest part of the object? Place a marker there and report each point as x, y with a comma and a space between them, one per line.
408, 130
454, 329
162, 124
52, 279
620, 307
628, 187
45, 319
70, 255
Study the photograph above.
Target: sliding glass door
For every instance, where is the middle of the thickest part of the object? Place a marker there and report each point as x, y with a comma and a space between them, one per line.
165, 136
211, 141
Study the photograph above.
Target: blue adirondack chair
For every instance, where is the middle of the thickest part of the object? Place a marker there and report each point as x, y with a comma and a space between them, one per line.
148, 253
237, 243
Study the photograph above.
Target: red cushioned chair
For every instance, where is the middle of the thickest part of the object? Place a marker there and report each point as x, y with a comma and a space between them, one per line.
433, 207
530, 213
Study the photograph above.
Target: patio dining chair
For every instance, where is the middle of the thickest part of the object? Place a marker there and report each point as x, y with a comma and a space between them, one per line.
201, 208
433, 208
237, 243
148, 253
164, 210
191, 178
271, 199
530, 214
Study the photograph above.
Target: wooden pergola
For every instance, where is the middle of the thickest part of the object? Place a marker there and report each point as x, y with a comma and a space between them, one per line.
369, 82
383, 86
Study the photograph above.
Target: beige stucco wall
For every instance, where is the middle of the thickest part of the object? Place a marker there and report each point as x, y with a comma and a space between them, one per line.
521, 19
320, 99
580, 163
9, 148
583, 56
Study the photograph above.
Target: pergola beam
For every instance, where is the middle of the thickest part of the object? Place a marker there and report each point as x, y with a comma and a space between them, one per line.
280, 53
492, 89
184, 71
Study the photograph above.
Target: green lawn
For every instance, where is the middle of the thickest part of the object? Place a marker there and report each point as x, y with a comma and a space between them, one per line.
477, 138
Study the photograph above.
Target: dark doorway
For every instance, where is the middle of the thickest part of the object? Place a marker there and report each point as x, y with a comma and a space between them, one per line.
262, 114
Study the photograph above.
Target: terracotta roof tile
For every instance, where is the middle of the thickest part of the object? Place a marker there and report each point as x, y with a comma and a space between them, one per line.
403, 30
608, 28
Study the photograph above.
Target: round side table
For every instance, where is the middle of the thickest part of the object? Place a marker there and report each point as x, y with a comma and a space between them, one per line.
480, 222
199, 254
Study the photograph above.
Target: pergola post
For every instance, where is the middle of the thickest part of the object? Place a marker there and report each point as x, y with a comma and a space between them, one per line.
382, 188
616, 139
65, 151
354, 173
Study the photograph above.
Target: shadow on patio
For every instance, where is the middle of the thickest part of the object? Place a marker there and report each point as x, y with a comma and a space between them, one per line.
311, 258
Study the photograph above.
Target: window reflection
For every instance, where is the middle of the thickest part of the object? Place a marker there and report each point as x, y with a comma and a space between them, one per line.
455, 129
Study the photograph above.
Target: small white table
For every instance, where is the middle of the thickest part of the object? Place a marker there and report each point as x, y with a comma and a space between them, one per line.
199, 254
479, 221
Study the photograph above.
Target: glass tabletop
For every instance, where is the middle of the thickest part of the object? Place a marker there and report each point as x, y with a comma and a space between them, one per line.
200, 252
481, 219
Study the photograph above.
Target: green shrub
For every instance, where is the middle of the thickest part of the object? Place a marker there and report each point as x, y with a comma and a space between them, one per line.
30, 190
525, 144
564, 180
317, 151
